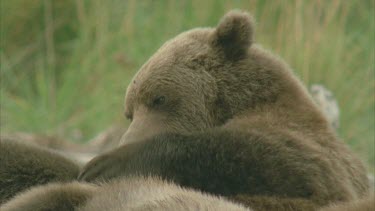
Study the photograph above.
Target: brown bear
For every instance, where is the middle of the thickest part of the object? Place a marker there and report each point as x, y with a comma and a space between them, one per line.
26, 165
213, 111
127, 194
34, 178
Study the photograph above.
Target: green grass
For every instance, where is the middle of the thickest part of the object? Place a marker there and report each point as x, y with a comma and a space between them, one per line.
65, 65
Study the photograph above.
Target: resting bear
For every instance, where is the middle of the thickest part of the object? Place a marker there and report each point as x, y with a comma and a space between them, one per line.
33, 178
26, 165
213, 111
127, 194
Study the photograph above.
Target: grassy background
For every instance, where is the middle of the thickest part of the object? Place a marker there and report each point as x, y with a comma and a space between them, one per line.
65, 65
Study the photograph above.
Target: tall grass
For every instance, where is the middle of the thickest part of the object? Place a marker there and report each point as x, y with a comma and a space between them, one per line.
65, 65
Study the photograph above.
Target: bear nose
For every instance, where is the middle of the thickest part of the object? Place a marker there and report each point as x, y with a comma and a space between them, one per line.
138, 134
142, 128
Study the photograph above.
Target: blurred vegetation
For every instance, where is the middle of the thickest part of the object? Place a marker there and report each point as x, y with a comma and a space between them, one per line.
65, 65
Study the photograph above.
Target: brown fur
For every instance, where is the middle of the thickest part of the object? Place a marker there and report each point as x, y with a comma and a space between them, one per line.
213, 111
54, 196
139, 194
275, 203
365, 204
25, 165
154, 194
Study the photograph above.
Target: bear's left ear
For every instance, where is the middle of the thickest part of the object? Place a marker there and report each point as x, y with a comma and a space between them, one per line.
234, 34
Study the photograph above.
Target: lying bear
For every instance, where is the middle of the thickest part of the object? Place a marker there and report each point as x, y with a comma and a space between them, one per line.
213, 111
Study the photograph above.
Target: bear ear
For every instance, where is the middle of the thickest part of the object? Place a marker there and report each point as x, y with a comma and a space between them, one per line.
234, 34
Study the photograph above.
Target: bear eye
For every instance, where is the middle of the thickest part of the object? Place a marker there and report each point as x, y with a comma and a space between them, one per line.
129, 117
158, 101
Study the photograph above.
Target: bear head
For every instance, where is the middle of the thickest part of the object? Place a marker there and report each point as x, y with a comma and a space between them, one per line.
202, 79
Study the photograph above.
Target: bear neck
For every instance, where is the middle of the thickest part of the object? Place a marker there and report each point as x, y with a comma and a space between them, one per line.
267, 95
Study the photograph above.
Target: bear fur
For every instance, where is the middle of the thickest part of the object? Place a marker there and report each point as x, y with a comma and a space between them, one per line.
364, 204
26, 165
51, 196
136, 194
214, 111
